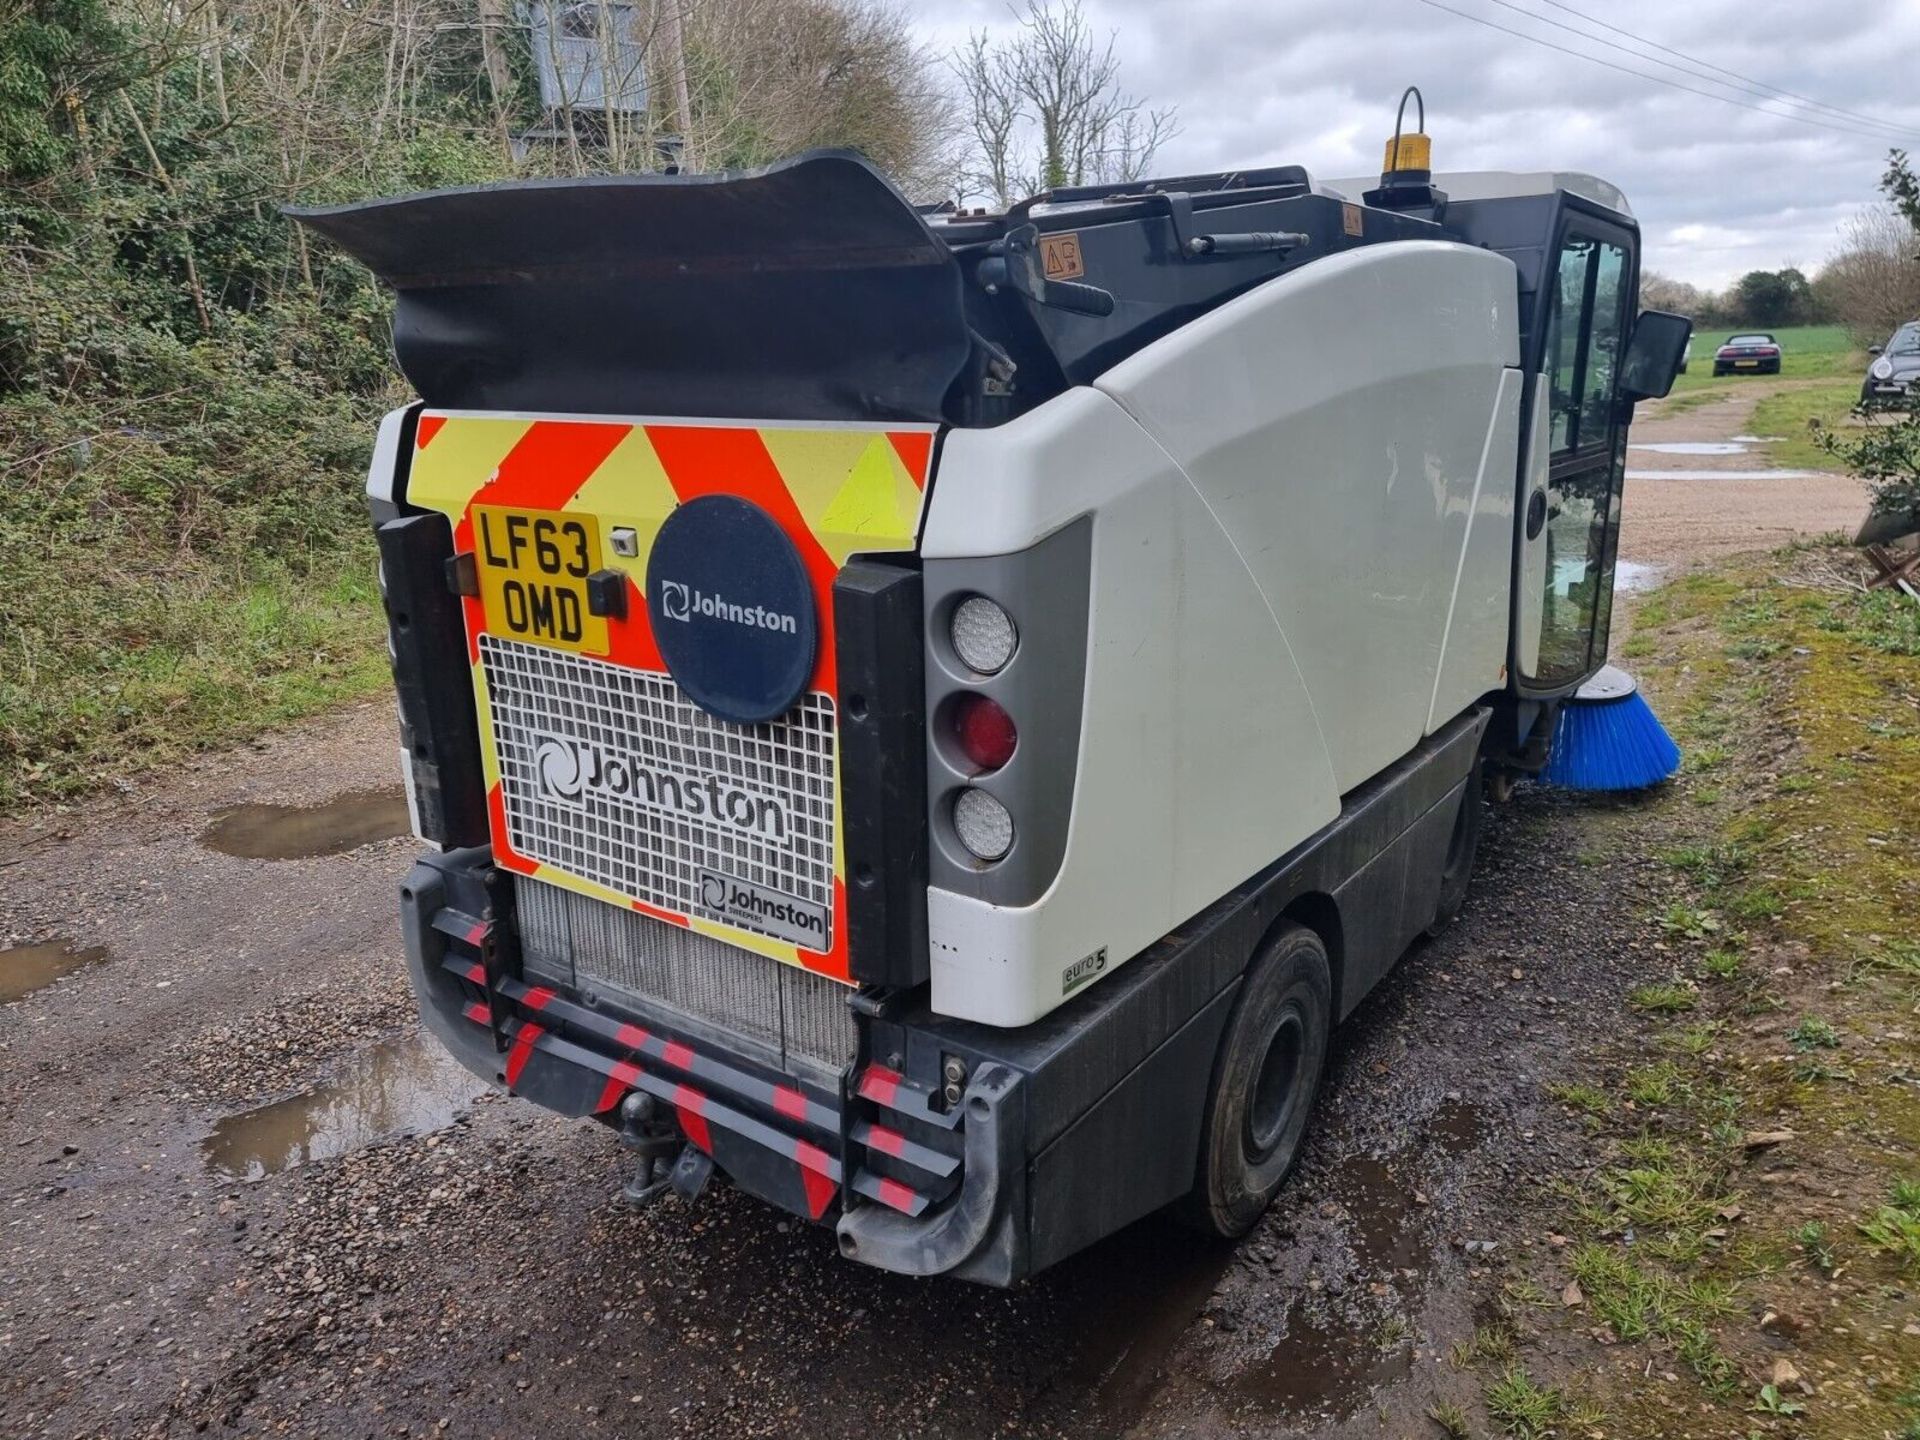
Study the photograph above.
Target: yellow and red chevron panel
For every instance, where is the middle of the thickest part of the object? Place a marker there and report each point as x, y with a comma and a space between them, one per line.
836, 490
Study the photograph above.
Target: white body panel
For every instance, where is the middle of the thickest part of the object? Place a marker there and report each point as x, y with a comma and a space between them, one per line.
1169, 795
1302, 550
1337, 421
385, 466
1474, 643
1533, 553
382, 473
1501, 185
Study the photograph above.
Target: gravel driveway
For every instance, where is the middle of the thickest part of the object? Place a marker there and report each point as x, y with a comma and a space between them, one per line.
1714, 496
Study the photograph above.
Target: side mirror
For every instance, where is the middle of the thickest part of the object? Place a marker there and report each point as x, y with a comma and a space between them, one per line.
1875, 349
1654, 354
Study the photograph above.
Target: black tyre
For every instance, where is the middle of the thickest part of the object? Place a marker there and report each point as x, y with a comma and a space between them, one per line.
1265, 1080
1463, 846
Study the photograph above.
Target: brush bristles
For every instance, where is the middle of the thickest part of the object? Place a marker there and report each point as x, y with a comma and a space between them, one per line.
1610, 745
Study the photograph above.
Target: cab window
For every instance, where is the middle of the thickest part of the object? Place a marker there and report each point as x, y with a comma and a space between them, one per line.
1585, 339
1585, 336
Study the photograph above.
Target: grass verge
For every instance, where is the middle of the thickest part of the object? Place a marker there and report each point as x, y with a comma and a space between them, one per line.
105, 673
1743, 1253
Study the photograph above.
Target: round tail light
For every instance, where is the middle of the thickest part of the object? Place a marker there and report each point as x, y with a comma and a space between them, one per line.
983, 824
984, 731
983, 635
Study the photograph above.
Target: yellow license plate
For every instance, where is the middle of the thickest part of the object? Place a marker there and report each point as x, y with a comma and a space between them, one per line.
1746, 364
533, 568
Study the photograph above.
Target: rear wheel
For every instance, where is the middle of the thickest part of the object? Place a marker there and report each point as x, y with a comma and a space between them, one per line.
1463, 846
1265, 1080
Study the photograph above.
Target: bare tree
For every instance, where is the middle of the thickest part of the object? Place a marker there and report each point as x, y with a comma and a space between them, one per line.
1874, 282
1663, 292
1045, 107
769, 77
995, 109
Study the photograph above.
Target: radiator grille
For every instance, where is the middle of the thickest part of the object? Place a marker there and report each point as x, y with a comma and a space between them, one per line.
611, 774
577, 942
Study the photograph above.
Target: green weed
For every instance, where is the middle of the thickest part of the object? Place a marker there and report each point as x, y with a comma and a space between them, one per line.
1663, 999
1721, 964
1816, 1244
1771, 1402
1587, 1099
1521, 1407
1814, 1033
1653, 1084
1894, 1229
1496, 1342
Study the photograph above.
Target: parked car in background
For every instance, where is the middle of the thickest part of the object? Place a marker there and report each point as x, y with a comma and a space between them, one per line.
1893, 377
1757, 353
1686, 356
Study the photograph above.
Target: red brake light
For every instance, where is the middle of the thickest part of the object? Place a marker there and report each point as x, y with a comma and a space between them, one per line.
984, 731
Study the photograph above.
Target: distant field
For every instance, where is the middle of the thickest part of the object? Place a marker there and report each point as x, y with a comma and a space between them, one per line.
1808, 352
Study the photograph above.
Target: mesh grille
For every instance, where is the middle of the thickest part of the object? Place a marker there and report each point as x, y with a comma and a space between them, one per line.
612, 775
573, 941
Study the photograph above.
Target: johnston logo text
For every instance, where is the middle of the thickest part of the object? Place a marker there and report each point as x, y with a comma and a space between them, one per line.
683, 602
568, 770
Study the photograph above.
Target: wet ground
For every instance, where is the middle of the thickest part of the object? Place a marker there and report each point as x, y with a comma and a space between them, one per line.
243, 1191
26, 968
401, 1087
1701, 486
263, 831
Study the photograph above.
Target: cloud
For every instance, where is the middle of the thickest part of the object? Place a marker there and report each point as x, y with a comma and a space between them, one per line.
1719, 190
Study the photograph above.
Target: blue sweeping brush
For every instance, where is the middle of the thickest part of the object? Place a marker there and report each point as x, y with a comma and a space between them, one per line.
1608, 738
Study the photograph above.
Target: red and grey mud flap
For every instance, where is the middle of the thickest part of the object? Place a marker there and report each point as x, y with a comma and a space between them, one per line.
976, 1234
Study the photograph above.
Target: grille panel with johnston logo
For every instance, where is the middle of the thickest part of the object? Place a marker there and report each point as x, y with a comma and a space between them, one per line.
574, 941
611, 774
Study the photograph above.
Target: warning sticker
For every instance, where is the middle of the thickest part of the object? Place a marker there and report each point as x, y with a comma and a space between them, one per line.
1352, 219
1060, 256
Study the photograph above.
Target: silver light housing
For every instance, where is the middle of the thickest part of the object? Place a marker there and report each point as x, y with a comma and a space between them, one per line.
983, 635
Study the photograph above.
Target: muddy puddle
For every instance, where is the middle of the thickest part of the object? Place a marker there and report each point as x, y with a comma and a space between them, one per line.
1335, 1354
1326, 1370
1134, 1295
27, 968
302, 832
1690, 447
1457, 1127
1632, 578
1722, 474
403, 1087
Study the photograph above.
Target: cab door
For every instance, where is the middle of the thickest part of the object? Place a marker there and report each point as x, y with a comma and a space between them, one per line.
1570, 519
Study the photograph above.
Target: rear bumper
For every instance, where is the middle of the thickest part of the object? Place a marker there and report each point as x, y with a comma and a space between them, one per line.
911, 1185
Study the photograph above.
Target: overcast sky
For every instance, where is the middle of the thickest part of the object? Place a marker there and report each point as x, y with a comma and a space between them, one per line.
1719, 190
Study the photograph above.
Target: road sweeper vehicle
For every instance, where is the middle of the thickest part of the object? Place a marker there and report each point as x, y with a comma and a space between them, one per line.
937, 715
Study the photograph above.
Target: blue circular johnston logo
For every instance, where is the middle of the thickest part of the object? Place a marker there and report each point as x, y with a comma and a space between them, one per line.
732, 609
